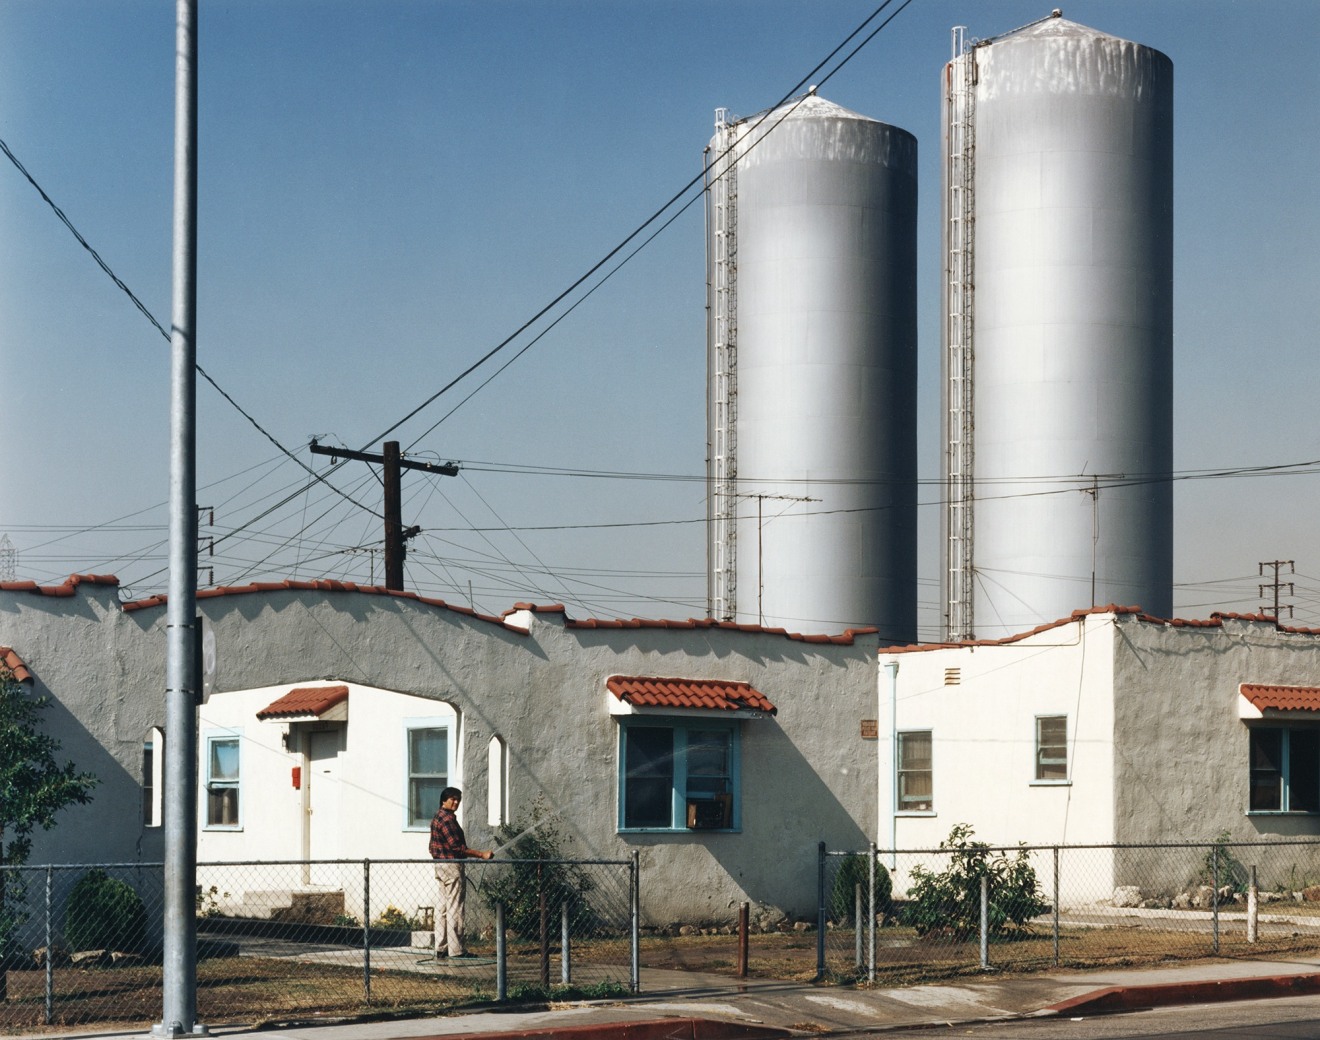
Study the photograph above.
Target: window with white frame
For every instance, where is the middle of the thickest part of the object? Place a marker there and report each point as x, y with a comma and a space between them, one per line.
915, 775
428, 771
1051, 748
1284, 764
678, 776
222, 781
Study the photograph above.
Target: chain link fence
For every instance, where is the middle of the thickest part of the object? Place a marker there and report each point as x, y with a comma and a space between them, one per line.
285, 940
897, 916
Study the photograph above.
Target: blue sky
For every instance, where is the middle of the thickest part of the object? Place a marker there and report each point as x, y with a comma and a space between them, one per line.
388, 190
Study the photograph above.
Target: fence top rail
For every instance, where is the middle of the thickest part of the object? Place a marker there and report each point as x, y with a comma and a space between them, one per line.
1206, 844
33, 868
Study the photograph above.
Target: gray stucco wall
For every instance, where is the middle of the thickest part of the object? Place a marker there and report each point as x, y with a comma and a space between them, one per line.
1181, 749
807, 775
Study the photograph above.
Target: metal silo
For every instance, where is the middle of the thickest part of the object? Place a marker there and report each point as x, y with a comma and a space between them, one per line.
812, 406
1058, 328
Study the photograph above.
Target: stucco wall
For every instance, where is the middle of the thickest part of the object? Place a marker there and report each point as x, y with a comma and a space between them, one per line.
806, 774
980, 704
1181, 749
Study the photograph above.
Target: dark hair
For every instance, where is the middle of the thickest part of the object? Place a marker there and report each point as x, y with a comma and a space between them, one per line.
450, 792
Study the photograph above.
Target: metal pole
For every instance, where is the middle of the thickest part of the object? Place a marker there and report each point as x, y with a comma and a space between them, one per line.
985, 922
366, 929
1214, 892
50, 961
545, 937
179, 969
857, 926
820, 910
501, 956
565, 970
1056, 906
635, 874
743, 927
875, 913
1253, 908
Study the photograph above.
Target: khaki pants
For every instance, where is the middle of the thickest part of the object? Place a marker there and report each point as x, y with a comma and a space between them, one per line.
449, 909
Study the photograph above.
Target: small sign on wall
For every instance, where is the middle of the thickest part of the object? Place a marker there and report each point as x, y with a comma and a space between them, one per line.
870, 729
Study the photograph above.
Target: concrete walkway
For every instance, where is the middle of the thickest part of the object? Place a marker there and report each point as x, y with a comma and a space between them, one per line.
698, 1006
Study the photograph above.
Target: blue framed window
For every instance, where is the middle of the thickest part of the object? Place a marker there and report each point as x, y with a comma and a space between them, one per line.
223, 777
1285, 769
678, 775
428, 768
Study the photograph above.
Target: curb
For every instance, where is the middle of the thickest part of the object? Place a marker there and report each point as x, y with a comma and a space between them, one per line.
1133, 998
657, 1029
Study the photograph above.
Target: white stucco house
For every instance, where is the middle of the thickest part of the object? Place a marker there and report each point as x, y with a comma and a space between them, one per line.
1111, 727
721, 753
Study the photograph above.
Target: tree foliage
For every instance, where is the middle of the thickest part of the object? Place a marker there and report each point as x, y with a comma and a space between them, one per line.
949, 902
34, 787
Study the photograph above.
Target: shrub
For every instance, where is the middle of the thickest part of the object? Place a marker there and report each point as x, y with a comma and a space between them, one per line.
519, 885
949, 903
1220, 867
393, 917
854, 871
103, 913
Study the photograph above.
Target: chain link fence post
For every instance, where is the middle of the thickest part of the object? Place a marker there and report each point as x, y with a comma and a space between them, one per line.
635, 881
985, 922
820, 910
501, 956
1056, 906
1214, 893
565, 971
50, 951
366, 930
872, 921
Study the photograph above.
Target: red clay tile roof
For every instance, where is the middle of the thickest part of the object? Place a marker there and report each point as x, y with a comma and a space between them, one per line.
1282, 698
847, 638
71, 583
305, 700
12, 665
713, 694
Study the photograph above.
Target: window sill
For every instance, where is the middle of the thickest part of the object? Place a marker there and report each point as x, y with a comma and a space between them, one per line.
679, 830
223, 827
916, 812
1051, 783
1282, 812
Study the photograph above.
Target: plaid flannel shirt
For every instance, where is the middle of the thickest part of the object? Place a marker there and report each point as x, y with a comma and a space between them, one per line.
447, 838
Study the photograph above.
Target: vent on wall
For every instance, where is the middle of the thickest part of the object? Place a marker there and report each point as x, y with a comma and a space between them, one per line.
952, 676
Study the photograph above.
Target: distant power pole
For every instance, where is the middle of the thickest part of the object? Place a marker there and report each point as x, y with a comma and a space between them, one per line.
8, 559
1276, 586
396, 535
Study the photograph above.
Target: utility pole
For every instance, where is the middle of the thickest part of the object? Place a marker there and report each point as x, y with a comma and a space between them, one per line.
396, 535
1276, 586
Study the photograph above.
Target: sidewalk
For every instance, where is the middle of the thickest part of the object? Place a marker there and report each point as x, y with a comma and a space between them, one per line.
718, 1007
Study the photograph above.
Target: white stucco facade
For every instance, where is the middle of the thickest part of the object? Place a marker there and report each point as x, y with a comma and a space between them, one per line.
1157, 740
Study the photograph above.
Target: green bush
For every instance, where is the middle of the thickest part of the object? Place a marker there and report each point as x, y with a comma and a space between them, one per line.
519, 885
854, 871
949, 903
103, 913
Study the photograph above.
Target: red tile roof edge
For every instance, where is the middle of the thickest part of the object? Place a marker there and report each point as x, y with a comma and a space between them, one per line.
12, 665
305, 700
1281, 697
755, 699
70, 585
1215, 620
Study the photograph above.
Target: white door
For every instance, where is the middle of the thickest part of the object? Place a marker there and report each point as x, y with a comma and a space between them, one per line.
323, 804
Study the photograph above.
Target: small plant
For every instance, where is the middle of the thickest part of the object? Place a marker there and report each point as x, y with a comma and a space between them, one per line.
394, 918
104, 913
537, 869
346, 921
854, 871
208, 903
1221, 868
949, 903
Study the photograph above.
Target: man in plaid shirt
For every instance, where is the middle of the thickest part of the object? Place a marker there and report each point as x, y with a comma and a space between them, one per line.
449, 848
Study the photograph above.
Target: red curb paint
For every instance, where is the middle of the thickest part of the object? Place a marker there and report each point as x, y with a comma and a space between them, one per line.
1132, 998
659, 1029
